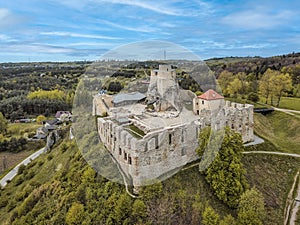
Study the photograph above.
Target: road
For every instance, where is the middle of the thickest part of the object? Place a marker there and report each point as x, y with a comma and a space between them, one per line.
273, 153
287, 111
296, 206
11, 174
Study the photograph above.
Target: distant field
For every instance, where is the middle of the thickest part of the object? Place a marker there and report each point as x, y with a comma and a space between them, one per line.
281, 129
286, 103
18, 130
8, 160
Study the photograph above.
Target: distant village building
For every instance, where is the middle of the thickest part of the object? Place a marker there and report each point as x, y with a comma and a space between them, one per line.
152, 135
60, 113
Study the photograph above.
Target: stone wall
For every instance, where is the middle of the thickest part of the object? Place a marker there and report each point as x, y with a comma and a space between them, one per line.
214, 105
156, 154
239, 117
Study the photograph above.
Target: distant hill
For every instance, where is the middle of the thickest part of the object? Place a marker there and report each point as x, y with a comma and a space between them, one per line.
256, 65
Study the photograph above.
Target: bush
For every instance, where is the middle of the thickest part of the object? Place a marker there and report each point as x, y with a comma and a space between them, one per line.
21, 169
49, 157
40, 118
13, 145
63, 147
3, 202
19, 180
253, 97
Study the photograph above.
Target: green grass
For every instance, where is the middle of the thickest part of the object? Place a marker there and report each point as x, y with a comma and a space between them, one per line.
285, 102
37, 172
59, 173
135, 131
280, 129
290, 103
19, 130
273, 175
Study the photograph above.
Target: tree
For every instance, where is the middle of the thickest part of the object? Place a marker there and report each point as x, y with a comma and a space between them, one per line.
224, 79
226, 174
265, 86
3, 124
235, 87
122, 209
115, 86
252, 96
251, 210
139, 210
274, 84
228, 220
210, 217
40, 118
244, 83
75, 215
281, 83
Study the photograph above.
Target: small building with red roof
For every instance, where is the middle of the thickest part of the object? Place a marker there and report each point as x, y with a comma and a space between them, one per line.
211, 100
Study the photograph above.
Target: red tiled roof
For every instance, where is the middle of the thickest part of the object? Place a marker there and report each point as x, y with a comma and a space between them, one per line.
210, 95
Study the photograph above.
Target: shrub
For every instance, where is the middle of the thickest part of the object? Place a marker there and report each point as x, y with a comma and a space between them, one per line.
253, 97
49, 157
21, 169
3, 202
19, 180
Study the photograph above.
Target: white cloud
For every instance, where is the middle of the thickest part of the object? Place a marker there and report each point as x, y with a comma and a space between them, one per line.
171, 8
153, 6
37, 48
4, 13
93, 44
8, 19
253, 19
5, 38
144, 29
71, 34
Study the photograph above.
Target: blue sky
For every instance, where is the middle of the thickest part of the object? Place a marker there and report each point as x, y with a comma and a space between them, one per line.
67, 30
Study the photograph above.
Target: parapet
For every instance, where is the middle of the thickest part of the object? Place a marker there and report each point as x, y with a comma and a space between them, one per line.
230, 104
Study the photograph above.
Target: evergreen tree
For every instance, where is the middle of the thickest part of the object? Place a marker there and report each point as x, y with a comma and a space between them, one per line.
226, 174
75, 214
228, 220
210, 217
251, 210
3, 124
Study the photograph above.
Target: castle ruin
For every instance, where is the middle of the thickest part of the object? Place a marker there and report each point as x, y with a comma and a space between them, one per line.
154, 134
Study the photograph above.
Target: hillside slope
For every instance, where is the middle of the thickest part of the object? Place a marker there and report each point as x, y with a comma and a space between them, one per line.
60, 187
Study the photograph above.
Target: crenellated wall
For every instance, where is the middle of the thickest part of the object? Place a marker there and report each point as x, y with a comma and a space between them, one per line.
239, 117
153, 155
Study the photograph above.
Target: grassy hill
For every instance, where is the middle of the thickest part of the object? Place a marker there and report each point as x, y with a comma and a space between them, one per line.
60, 186
280, 129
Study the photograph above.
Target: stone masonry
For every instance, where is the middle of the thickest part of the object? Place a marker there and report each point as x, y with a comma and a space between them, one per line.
148, 144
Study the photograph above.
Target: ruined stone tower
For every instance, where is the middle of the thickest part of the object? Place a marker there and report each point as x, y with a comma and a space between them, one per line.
163, 90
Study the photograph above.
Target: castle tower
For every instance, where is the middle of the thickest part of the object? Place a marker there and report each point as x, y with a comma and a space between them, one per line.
209, 100
163, 89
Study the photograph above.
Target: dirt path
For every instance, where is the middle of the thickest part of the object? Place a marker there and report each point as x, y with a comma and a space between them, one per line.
288, 111
273, 153
296, 205
289, 202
